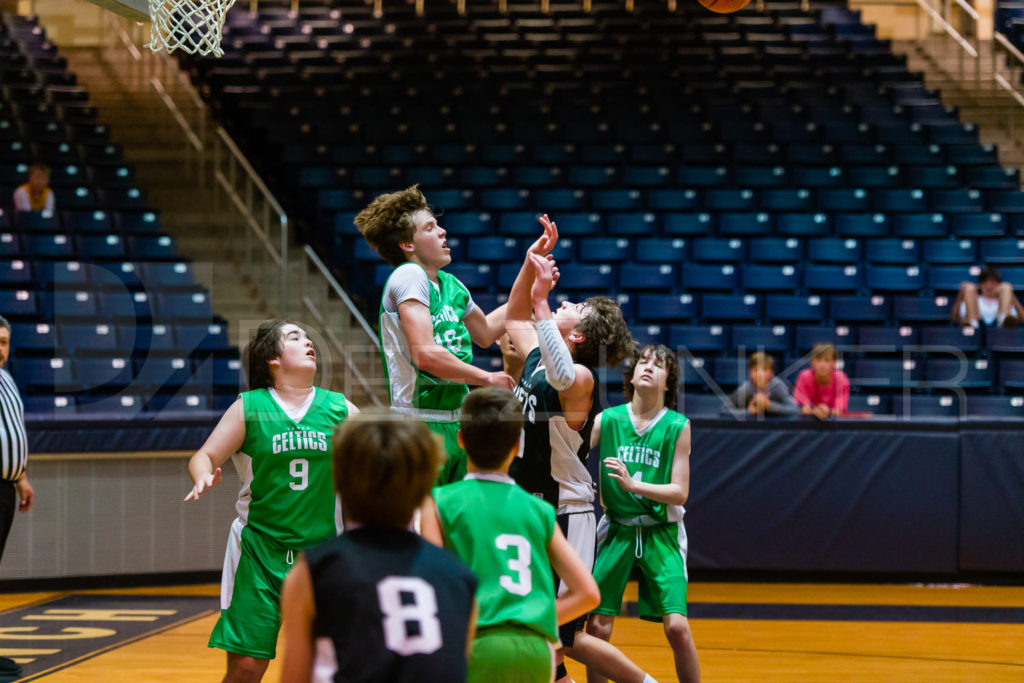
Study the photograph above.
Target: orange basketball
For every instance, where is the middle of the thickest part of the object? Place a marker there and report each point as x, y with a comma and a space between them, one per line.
724, 6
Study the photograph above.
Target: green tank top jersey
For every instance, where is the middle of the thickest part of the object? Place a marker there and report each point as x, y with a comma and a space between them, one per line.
448, 302
502, 533
647, 456
287, 487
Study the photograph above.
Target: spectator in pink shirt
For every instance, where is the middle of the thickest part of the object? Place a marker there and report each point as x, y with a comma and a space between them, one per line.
822, 391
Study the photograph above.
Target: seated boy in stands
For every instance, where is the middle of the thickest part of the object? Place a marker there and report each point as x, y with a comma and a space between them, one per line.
991, 301
35, 195
822, 390
764, 393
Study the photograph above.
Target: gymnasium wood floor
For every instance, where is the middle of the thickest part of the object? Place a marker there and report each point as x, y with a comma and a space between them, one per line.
749, 632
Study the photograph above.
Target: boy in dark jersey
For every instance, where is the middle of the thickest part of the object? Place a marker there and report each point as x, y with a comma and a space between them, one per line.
278, 434
645, 480
378, 603
560, 395
510, 539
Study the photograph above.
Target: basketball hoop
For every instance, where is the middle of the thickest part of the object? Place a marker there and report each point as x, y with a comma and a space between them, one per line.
190, 25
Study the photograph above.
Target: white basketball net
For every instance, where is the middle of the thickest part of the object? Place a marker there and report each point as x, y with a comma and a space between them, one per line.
191, 25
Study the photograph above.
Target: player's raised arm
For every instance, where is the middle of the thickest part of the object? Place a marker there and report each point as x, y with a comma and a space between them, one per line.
225, 440
519, 316
429, 356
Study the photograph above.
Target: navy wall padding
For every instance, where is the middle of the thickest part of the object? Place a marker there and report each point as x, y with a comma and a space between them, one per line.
164, 433
992, 501
823, 500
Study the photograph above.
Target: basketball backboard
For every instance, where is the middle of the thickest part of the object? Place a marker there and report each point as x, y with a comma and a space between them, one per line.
136, 10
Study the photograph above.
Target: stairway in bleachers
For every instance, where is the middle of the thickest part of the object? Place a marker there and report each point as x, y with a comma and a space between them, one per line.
738, 182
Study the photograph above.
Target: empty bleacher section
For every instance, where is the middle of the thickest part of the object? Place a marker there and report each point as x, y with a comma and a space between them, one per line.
757, 180
106, 315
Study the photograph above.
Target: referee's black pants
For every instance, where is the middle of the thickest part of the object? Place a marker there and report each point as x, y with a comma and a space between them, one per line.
8, 506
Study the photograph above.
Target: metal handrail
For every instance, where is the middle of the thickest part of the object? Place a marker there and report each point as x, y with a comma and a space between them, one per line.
948, 28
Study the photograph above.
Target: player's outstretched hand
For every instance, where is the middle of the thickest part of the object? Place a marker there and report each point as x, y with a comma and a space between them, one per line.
546, 242
617, 471
500, 379
204, 484
546, 275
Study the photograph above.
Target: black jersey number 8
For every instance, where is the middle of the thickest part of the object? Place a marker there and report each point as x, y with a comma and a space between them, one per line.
422, 611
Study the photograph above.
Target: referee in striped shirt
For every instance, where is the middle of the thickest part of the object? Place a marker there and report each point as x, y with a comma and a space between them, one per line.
13, 444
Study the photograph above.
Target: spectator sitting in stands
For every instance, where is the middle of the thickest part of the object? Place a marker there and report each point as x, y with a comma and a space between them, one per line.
821, 390
35, 195
764, 393
991, 301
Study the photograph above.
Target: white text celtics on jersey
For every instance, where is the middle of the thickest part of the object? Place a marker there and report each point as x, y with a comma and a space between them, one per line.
299, 439
641, 455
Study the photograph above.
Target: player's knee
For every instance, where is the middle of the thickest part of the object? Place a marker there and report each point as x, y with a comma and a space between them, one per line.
677, 630
600, 626
966, 287
247, 670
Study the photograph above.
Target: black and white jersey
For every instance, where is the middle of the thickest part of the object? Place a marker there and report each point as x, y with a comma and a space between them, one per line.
552, 460
389, 607
13, 440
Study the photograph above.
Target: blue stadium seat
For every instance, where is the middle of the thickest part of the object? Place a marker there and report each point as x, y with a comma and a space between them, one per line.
590, 278
707, 277
920, 225
473, 275
944, 252
892, 251
148, 222
834, 250
648, 334
978, 224
33, 337
730, 307
844, 199
776, 250
50, 406
702, 176
787, 199
956, 200
933, 176
11, 246
687, 224
1002, 251
153, 248
648, 276
917, 309
614, 200
45, 374
771, 278
951, 337
605, 249
894, 278
59, 246
18, 303
1006, 201
704, 405
504, 199
179, 403
120, 404
767, 338
70, 304
963, 373
925, 405
448, 200
992, 176
193, 306
949, 278
862, 225
675, 200
92, 373
900, 200
156, 338
875, 340
700, 338
102, 247
874, 176
806, 336
730, 199
787, 308
667, 307
657, 250
747, 223
718, 250
632, 224
829, 278
646, 176
472, 223
78, 338
886, 372
1011, 373
994, 406
494, 249
1005, 339
802, 224
92, 222
875, 404
578, 224
860, 309
195, 337
729, 372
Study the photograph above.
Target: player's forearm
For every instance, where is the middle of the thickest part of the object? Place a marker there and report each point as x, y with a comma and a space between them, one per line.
670, 494
199, 466
518, 306
575, 604
443, 365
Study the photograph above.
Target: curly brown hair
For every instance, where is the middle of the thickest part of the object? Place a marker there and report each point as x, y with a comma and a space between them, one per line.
671, 361
607, 340
387, 222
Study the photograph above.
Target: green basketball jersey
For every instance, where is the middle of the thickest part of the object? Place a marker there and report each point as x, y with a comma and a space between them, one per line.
502, 533
647, 456
285, 466
411, 389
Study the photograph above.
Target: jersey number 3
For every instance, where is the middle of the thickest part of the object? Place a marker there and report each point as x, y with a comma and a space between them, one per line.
422, 611
520, 564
